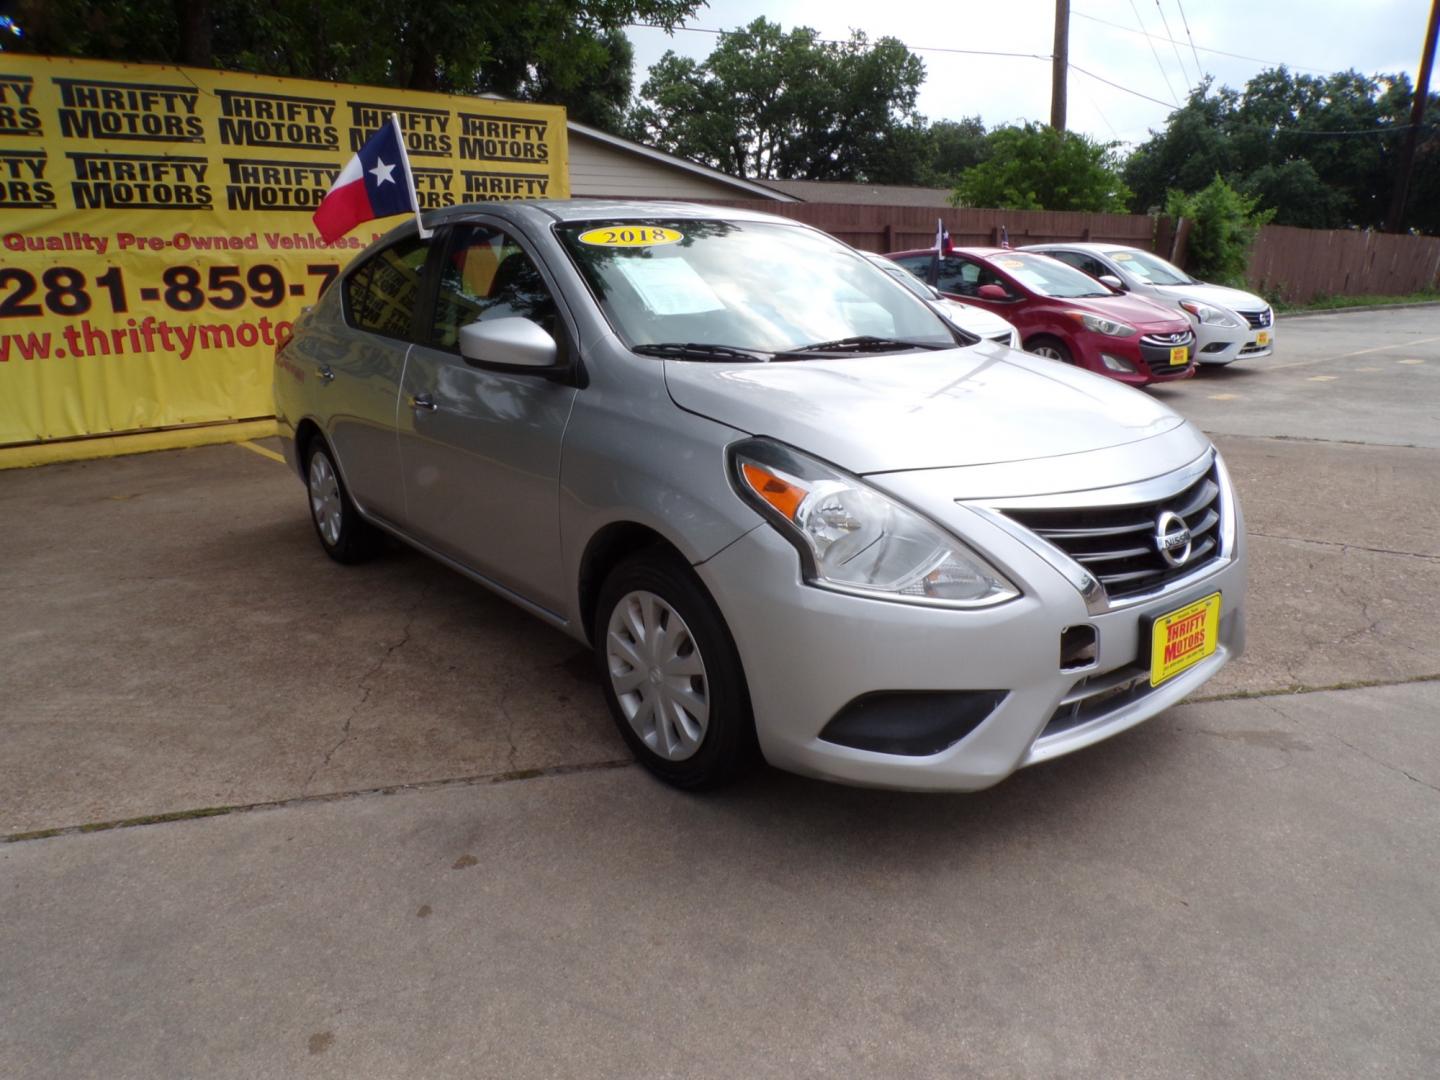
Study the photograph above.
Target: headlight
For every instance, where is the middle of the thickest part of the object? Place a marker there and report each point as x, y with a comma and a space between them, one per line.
1210, 316
854, 539
1100, 325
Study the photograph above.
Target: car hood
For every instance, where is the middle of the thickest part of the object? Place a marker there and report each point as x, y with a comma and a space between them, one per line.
1139, 311
973, 319
1218, 295
982, 405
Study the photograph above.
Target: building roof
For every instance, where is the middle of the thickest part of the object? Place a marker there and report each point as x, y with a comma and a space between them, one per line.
744, 189
830, 191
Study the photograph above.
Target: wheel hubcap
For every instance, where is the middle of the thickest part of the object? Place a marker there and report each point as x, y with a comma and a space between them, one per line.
1047, 352
658, 675
325, 498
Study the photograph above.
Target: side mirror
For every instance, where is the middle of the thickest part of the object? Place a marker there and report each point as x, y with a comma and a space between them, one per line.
992, 292
1111, 282
509, 342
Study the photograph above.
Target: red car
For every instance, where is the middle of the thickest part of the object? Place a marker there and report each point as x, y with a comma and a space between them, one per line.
1062, 313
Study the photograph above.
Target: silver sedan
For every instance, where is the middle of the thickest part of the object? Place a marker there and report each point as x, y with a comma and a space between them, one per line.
789, 507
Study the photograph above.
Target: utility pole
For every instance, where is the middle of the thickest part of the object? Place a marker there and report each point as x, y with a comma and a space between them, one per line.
1417, 115
1062, 64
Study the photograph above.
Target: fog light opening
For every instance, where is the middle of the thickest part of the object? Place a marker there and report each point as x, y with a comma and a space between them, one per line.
1117, 363
1078, 647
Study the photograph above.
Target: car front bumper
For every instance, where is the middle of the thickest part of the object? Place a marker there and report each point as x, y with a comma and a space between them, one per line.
1150, 362
809, 652
1226, 344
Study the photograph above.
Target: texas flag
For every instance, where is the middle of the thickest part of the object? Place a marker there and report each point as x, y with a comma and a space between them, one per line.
377, 183
942, 238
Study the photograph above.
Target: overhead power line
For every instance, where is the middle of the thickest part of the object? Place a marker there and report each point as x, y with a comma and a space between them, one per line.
1202, 48
1387, 130
1199, 71
1136, 93
842, 41
1153, 52
1175, 47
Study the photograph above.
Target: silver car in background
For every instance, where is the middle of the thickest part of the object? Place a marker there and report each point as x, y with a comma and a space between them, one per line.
969, 318
764, 482
1230, 324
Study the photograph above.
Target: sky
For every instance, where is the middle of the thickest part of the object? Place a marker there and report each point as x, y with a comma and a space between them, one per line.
1310, 36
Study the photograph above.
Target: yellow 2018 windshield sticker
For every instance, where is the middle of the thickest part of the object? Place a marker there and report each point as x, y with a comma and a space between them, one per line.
630, 236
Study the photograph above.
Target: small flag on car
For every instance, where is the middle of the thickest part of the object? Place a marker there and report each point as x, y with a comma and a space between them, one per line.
376, 183
942, 238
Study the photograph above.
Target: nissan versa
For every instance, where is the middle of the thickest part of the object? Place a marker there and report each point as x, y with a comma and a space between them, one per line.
787, 505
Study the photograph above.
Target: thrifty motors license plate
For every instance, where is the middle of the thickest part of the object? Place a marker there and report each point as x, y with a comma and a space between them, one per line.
1183, 638
1180, 354
1262, 338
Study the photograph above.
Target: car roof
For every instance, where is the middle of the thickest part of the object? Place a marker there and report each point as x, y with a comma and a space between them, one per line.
1099, 249
978, 252
565, 210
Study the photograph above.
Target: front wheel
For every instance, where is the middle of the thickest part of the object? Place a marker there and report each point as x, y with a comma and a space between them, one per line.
671, 674
1050, 348
344, 534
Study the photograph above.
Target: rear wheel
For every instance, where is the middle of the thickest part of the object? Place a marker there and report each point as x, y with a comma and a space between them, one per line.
344, 534
671, 674
1050, 348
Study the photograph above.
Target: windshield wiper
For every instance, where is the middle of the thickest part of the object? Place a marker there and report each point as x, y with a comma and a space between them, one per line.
695, 350
862, 343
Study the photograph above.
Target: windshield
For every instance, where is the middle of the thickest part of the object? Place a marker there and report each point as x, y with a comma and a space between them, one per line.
1151, 268
751, 285
1047, 276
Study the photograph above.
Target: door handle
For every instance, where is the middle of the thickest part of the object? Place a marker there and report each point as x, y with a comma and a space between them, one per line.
326, 373
423, 401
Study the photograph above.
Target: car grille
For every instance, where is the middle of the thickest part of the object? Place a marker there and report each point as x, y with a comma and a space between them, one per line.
1117, 543
1155, 351
1098, 696
1258, 320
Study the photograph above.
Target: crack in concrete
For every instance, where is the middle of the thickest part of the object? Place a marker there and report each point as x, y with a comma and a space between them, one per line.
1314, 439
1347, 547
363, 685
327, 797
509, 724
1299, 726
1383, 764
1300, 688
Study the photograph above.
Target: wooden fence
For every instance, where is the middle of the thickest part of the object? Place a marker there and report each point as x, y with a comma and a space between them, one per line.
1296, 265
898, 228
1299, 265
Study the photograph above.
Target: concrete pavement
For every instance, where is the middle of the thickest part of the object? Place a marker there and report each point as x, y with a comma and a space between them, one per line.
1242, 887
1239, 889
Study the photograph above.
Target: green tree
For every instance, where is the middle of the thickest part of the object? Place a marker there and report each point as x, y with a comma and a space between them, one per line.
1035, 167
772, 104
1223, 226
1320, 150
568, 52
952, 146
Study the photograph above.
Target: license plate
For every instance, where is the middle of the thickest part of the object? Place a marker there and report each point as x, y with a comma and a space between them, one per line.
1182, 638
1262, 338
1180, 354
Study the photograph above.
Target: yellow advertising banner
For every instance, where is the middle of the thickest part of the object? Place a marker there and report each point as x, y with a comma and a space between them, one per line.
155, 233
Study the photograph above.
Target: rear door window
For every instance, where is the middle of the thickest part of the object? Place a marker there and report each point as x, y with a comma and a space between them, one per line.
381, 295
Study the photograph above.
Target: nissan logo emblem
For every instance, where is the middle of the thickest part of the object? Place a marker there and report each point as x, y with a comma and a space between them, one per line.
1172, 538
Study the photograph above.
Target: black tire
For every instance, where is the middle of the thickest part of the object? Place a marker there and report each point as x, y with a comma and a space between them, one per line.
344, 534
1052, 345
727, 743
